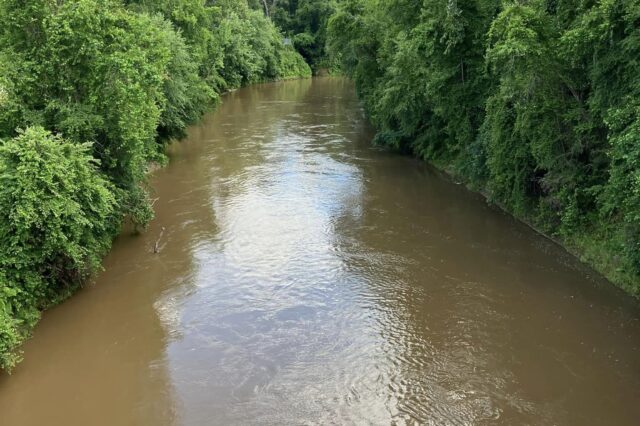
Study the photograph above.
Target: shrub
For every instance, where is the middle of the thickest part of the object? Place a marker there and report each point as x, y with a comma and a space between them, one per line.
56, 221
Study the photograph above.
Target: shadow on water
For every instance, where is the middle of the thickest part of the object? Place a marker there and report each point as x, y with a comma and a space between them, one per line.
307, 277
481, 320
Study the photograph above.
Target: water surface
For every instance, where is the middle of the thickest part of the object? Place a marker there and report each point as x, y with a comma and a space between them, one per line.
306, 277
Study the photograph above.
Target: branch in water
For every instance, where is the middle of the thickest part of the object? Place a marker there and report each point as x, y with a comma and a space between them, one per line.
156, 246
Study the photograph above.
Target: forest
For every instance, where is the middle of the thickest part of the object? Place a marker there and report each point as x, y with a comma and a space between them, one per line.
536, 104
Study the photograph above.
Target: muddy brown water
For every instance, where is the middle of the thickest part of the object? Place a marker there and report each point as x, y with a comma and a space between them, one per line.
306, 277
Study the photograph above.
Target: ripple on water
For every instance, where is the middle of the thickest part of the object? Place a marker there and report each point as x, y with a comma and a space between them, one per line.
346, 286
308, 278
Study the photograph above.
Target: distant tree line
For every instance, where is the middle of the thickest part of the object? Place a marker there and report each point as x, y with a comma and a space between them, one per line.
90, 91
536, 103
305, 23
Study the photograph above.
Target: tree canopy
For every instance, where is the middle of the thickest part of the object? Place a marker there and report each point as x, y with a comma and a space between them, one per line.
304, 22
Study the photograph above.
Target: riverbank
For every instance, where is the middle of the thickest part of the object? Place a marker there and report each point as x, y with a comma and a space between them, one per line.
593, 250
65, 287
90, 94
307, 277
509, 98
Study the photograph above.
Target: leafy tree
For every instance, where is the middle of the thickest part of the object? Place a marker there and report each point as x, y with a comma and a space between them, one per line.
520, 56
304, 22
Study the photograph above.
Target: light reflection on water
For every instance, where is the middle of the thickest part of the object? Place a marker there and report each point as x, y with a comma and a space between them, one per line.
308, 278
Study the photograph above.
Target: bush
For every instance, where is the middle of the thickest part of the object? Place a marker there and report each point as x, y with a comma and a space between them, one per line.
56, 221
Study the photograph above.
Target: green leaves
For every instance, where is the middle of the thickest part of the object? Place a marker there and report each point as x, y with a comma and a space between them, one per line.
50, 188
56, 221
304, 22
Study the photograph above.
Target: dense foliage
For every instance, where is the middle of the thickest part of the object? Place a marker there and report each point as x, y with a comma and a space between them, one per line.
537, 103
97, 87
305, 24
56, 220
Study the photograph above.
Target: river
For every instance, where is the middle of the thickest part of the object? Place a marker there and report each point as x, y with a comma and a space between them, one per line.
306, 277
